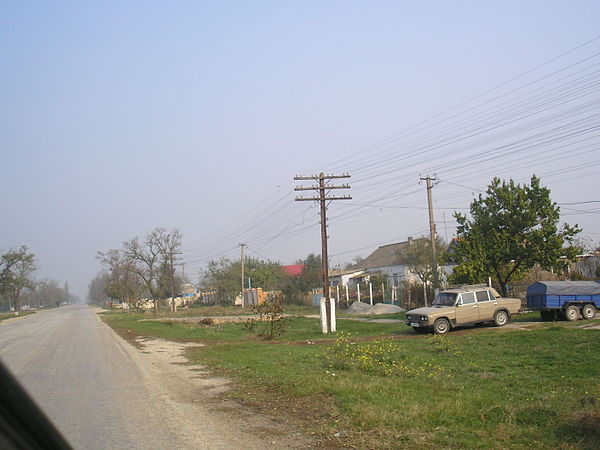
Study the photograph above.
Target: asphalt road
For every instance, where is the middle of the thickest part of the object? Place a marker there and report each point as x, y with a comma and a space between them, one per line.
85, 381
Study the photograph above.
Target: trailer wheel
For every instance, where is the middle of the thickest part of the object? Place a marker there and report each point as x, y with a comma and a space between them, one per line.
500, 318
441, 326
588, 311
572, 313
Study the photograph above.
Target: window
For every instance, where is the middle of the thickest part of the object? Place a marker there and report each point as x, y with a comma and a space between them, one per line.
482, 296
445, 299
468, 297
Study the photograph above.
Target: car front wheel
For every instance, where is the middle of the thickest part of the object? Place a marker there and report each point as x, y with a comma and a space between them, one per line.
441, 326
500, 318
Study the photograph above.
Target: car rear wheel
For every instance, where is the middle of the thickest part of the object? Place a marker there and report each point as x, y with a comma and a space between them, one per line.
441, 326
500, 318
572, 313
588, 312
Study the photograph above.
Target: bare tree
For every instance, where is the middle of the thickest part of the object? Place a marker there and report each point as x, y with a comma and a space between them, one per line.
417, 257
170, 246
153, 260
122, 280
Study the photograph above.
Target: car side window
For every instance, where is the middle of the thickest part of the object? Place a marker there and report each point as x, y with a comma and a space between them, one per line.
468, 297
482, 296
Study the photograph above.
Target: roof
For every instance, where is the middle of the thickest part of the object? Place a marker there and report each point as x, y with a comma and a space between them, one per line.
294, 269
340, 272
385, 256
564, 288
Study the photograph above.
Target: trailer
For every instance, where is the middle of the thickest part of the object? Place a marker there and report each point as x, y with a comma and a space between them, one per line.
569, 299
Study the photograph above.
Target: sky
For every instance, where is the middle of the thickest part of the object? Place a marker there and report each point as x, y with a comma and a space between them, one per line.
120, 117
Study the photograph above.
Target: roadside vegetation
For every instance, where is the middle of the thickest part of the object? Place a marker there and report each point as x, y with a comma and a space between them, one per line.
13, 315
375, 385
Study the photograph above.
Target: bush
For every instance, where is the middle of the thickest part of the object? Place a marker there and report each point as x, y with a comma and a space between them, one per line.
271, 314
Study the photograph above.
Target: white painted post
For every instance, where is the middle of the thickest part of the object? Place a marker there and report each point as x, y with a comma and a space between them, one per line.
371, 292
347, 296
323, 316
333, 320
358, 291
383, 292
337, 289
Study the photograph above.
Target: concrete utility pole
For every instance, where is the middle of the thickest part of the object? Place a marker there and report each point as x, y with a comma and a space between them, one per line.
432, 233
242, 260
323, 189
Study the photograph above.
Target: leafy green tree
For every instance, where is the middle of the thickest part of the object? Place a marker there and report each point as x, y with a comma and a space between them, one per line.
511, 229
16, 274
223, 276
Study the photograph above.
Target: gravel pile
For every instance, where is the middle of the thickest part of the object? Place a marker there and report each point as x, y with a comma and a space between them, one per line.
359, 308
382, 308
377, 309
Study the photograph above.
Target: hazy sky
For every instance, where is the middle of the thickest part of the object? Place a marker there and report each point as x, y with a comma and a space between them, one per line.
119, 117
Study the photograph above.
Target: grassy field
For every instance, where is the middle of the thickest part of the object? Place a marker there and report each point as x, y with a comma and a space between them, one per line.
382, 386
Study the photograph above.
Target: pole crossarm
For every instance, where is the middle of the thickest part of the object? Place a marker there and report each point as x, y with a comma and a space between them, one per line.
316, 188
316, 199
317, 177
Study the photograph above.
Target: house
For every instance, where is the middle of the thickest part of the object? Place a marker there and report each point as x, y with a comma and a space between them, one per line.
588, 265
386, 260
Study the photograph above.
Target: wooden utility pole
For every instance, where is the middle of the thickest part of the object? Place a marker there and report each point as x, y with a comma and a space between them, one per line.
242, 260
432, 234
323, 188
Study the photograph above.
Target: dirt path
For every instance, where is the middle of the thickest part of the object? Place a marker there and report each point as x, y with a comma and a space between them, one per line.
190, 396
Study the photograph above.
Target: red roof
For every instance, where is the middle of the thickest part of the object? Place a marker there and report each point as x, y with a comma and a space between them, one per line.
294, 269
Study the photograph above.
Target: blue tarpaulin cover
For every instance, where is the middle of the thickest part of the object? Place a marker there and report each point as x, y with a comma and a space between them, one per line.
564, 288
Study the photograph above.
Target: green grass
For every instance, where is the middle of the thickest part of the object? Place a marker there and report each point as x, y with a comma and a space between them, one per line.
13, 315
480, 388
298, 328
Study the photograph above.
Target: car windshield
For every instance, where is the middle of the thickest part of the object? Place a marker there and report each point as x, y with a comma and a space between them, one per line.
445, 299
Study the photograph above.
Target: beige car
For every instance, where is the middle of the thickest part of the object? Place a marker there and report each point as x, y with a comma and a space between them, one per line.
463, 306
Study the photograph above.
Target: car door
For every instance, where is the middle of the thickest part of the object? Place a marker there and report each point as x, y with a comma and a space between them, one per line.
487, 304
467, 310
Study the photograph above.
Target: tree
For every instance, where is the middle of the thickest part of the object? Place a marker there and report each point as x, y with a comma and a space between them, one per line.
121, 280
294, 286
152, 261
223, 276
511, 229
48, 293
16, 274
417, 257
97, 289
